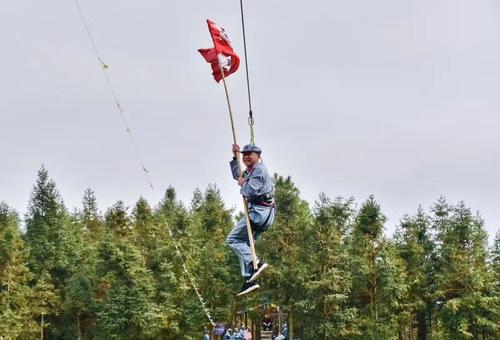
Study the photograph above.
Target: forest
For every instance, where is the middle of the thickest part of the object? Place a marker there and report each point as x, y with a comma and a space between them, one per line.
87, 273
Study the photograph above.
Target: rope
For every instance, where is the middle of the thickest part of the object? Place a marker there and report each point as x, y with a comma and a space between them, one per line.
104, 68
251, 121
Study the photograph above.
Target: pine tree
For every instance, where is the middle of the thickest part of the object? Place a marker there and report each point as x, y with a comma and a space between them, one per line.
416, 247
90, 216
45, 303
174, 289
125, 300
495, 258
197, 199
326, 303
462, 276
16, 319
117, 221
54, 240
79, 301
174, 212
146, 231
378, 279
216, 267
45, 228
493, 307
152, 239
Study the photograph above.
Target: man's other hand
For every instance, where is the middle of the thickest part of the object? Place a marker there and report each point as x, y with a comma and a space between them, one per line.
236, 150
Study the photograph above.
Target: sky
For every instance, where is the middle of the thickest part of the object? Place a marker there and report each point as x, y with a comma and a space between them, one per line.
398, 99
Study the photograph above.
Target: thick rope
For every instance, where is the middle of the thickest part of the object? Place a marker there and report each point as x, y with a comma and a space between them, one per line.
104, 68
250, 112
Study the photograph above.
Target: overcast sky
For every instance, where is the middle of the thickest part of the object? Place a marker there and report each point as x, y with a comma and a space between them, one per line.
399, 99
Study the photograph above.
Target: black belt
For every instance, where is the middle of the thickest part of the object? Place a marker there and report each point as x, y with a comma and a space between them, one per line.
265, 199
264, 204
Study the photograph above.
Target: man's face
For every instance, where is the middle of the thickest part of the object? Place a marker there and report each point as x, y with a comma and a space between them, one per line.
250, 158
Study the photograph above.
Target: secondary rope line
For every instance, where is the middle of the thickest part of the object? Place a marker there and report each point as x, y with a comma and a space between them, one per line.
104, 68
251, 121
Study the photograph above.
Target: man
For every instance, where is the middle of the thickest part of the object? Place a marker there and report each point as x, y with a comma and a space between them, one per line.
258, 190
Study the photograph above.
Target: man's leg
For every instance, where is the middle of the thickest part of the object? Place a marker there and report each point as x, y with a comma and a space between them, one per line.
238, 241
265, 216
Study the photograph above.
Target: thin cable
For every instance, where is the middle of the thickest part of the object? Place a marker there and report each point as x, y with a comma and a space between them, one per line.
104, 68
250, 113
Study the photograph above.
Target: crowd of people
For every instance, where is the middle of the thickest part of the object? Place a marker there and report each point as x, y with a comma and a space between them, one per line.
238, 334
242, 333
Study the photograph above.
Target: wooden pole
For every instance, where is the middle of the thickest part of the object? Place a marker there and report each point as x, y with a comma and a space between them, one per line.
245, 204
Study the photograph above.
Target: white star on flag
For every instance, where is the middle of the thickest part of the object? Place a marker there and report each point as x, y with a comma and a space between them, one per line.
224, 61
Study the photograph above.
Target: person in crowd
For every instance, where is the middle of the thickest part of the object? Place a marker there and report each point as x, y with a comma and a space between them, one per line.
248, 334
228, 335
237, 334
279, 337
267, 323
284, 331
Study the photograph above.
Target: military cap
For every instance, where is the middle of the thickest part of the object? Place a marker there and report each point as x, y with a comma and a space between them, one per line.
251, 148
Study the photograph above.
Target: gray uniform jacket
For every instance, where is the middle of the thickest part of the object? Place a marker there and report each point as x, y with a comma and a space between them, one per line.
258, 180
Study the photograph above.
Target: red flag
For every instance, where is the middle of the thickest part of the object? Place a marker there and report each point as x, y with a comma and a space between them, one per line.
221, 56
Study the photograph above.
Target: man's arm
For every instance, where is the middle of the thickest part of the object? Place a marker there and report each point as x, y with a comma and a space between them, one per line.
234, 163
234, 168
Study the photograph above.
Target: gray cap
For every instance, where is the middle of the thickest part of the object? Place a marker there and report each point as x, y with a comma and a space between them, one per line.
251, 148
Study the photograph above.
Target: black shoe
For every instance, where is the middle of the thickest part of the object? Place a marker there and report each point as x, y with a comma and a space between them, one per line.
256, 272
248, 287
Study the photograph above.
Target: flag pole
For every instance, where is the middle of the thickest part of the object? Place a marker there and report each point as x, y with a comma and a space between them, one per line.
245, 204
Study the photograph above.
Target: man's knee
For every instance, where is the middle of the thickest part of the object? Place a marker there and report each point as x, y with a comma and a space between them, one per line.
232, 239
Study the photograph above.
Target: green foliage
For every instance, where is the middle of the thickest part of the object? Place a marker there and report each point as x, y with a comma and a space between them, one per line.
16, 315
90, 216
326, 307
416, 249
379, 283
125, 309
282, 246
333, 271
46, 222
462, 279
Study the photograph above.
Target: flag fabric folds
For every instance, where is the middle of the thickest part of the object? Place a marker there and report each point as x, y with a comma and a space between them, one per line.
221, 56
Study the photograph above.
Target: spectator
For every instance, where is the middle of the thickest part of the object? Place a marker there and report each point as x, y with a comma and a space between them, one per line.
206, 336
279, 337
248, 334
237, 334
229, 334
285, 332
267, 323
